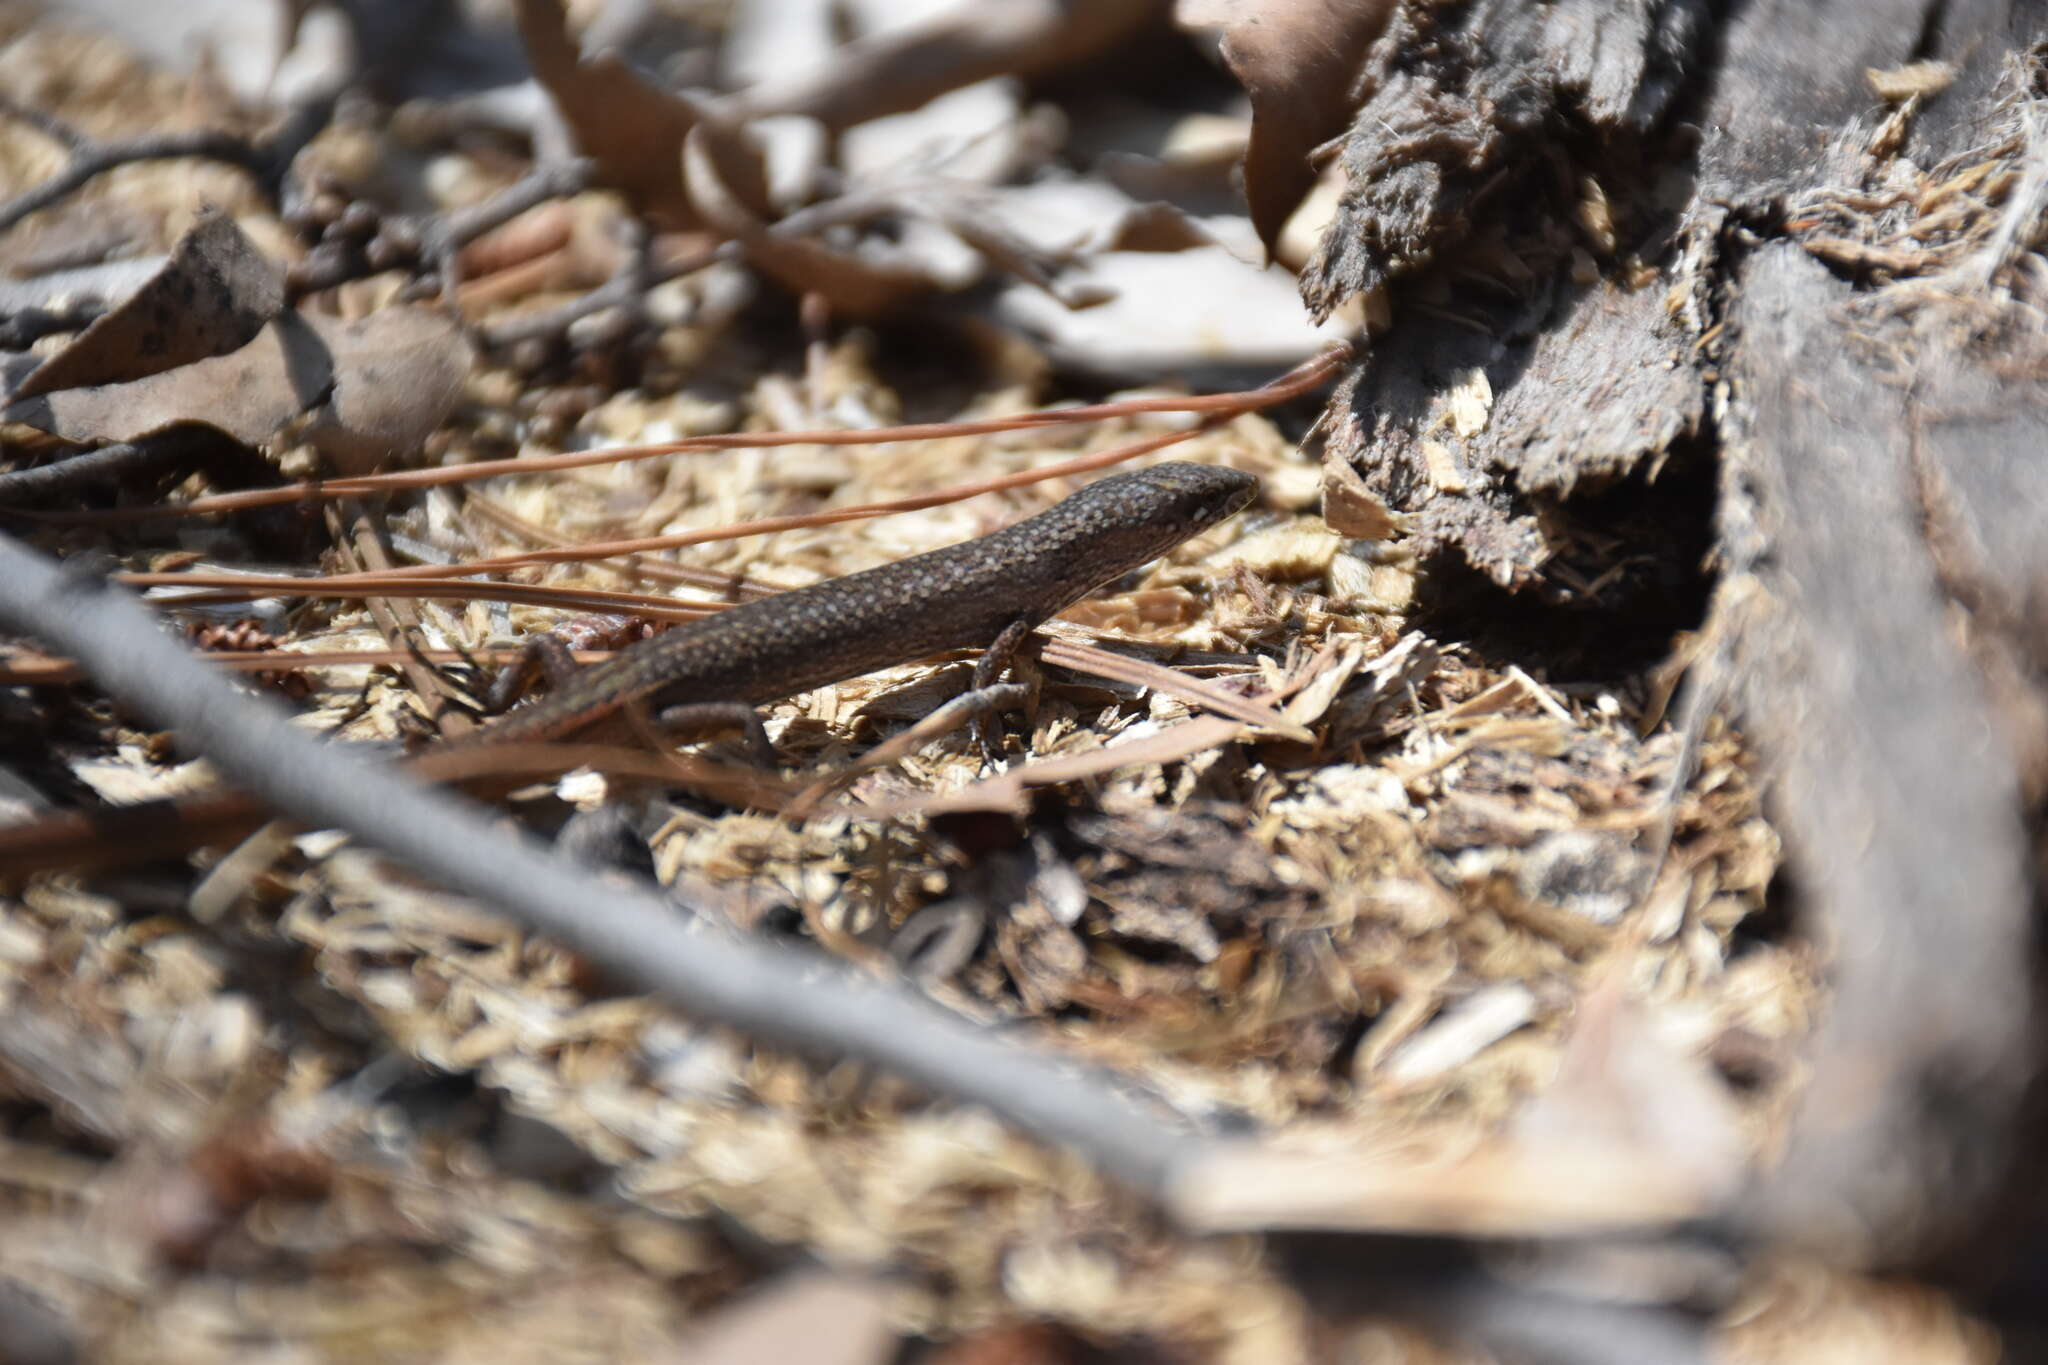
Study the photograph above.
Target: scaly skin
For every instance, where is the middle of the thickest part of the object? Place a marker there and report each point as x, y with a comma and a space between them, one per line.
973, 593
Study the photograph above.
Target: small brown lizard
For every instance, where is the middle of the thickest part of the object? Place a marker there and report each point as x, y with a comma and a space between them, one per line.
993, 591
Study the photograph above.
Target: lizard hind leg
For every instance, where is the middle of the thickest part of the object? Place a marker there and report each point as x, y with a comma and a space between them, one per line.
540, 655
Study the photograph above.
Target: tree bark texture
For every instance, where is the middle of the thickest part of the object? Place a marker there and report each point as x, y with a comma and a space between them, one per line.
1622, 235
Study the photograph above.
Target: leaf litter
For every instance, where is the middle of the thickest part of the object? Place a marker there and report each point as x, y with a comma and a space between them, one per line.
1354, 903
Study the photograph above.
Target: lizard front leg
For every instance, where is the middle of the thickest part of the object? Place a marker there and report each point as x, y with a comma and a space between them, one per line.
1015, 641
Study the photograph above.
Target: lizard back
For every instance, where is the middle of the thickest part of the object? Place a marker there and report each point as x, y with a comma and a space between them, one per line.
949, 598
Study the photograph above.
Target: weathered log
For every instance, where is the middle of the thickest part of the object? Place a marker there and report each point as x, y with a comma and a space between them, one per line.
1619, 234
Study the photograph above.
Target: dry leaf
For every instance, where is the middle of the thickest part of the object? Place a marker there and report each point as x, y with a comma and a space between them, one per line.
1081, 217
631, 127
102, 283
247, 394
1297, 59
979, 134
390, 379
1158, 226
397, 373
213, 294
265, 54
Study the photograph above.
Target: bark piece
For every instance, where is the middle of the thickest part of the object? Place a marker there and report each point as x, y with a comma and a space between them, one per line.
1583, 383
1591, 367
1899, 797
1458, 94
1882, 469
1795, 77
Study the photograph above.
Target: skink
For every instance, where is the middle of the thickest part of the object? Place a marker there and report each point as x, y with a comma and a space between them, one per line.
992, 591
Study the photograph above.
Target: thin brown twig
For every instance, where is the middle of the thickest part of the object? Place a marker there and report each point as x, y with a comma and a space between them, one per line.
24, 327
620, 290
398, 618
1300, 380
1112, 667
431, 243
595, 550
734, 587
577, 554
444, 237
217, 588
108, 466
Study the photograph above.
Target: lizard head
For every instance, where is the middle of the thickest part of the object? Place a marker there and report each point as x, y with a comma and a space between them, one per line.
1178, 500
1112, 526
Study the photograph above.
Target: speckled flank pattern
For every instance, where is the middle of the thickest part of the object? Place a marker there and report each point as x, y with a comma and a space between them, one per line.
963, 595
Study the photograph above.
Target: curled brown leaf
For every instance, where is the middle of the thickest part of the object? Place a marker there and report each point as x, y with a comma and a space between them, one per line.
1299, 61
631, 127
247, 394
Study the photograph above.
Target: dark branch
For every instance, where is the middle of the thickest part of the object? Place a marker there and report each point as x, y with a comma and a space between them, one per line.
266, 159
622, 290
22, 329
432, 241
103, 468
